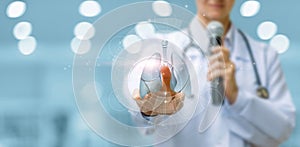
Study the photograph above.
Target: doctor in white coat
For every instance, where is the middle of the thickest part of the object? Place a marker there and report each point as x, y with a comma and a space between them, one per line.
246, 119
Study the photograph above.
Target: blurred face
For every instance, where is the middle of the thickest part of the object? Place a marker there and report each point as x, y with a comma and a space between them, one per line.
214, 9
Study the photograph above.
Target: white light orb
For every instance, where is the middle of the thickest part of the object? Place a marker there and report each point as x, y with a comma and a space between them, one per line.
84, 31
27, 46
128, 41
162, 8
280, 42
22, 30
145, 30
16, 9
266, 30
89, 8
250, 8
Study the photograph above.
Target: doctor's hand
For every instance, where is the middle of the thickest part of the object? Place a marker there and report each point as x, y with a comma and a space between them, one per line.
220, 65
164, 102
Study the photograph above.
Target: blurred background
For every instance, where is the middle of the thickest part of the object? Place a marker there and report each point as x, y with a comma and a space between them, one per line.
38, 40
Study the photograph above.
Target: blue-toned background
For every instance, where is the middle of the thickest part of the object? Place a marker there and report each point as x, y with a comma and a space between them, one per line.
37, 105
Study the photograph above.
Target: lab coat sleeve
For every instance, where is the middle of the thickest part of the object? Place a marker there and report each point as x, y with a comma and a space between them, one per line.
273, 117
146, 124
142, 122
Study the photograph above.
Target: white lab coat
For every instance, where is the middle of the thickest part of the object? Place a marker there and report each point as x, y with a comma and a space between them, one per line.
251, 120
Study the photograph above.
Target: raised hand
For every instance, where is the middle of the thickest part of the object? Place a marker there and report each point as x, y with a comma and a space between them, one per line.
165, 101
222, 66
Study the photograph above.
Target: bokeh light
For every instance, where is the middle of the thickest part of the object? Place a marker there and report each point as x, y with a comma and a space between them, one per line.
266, 30
27, 46
128, 41
162, 8
250, 8
280, 42
145, 30
22, 30
16, 9
84, 31
89, 8
80, 46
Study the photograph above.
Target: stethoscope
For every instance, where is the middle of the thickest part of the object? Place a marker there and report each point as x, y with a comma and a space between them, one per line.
261, 91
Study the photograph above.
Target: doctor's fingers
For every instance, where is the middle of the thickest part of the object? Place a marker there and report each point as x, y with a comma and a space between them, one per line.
219, 54
147, 103
136, 96
139, 101
226, 73
179, 97
169, 108
221, 49
216, 65
221, 65
147, 106
215, 74
178, 102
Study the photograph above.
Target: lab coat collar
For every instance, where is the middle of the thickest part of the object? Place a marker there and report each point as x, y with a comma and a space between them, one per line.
199, 34
230, 35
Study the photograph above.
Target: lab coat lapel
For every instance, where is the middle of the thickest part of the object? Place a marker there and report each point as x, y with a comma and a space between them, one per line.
243, 63
240, 48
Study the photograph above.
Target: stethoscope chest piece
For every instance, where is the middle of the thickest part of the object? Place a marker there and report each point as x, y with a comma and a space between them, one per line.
262, 92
